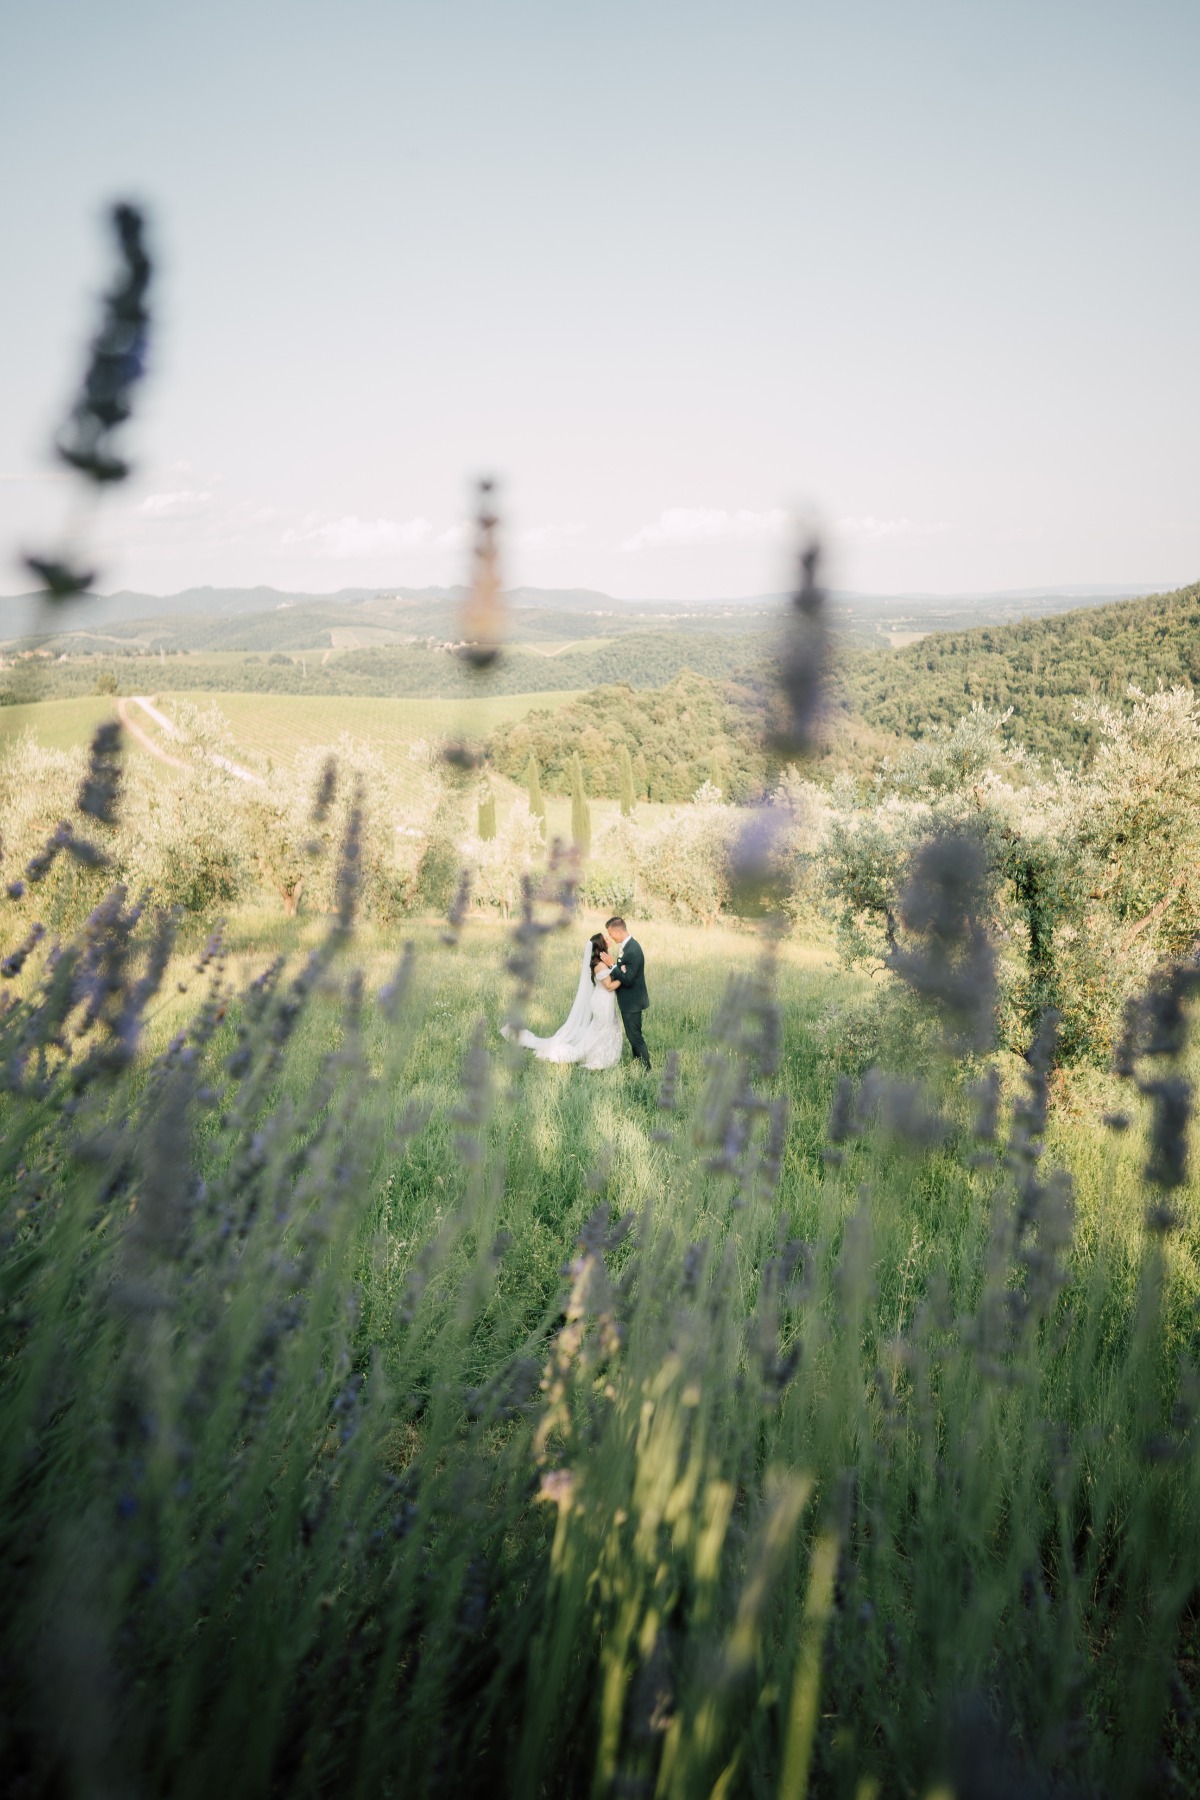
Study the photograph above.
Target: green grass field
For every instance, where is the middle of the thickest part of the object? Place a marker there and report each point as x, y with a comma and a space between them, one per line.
278, 725
386, 1461
58, 724
268, 728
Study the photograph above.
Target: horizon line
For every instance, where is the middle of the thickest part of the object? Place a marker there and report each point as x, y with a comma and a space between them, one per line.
1056, 590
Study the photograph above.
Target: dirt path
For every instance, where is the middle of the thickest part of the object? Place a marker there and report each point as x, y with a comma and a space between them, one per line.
166, 726
144, 738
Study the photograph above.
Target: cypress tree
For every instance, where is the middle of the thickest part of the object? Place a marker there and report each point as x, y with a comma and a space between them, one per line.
581, 816
641, 777
533, 787
627, 794
487, 815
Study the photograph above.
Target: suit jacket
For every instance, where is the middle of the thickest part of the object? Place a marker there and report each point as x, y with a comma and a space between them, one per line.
629, 969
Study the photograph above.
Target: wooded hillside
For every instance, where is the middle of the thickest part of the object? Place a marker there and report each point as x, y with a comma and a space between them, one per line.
693, 730
1039, 668
645, 660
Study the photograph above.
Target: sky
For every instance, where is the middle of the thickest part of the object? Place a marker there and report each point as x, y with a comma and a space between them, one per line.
686, 279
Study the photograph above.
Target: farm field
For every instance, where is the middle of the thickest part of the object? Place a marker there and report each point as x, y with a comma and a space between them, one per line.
278, 725
559, 646
58, 724
266, 728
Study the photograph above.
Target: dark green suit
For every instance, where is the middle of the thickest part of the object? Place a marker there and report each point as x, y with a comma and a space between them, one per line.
629, 971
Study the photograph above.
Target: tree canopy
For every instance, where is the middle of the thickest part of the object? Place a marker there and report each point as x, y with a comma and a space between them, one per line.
691, 731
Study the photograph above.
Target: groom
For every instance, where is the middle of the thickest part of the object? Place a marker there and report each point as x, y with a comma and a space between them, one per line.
629, 972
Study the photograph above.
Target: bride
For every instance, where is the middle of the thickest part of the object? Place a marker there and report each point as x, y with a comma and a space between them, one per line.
592, 1032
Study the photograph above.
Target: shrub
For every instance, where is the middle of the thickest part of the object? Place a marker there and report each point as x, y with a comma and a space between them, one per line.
683, 860
533, 788
497, 864
608, 887
581, 815
627, 796
198, 838
1093, 878
439, 862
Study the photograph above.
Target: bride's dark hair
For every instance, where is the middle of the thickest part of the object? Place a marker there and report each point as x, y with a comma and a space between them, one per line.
599, 943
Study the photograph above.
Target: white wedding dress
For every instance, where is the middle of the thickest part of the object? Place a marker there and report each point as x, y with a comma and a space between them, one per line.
592, 1032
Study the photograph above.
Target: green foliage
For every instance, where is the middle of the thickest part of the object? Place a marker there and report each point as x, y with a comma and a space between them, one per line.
1039, 668
608, 887
693, 730
641, 660
486, 823
1094, 879
440, 864
196, 837
684, 860
672, 865
533, 789
331, 1478
1093, 876
497, 865
627, 796
581, 813
1035, 670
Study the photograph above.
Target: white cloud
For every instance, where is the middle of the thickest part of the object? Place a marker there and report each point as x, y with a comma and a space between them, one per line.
184, 503
681, 525
542, 537
351, 536
872, 530
454, 536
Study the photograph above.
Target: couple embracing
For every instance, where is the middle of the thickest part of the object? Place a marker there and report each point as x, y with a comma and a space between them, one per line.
611, 998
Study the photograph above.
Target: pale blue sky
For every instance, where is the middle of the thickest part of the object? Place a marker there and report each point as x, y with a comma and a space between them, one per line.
674, 272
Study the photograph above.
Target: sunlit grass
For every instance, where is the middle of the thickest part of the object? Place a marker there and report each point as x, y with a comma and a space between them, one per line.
58, 724
529, 1506
276, 726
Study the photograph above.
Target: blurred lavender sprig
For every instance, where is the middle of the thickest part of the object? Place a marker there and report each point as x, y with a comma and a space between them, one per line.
803, 660
483, 613
1157, 1026
87, 442
950, 960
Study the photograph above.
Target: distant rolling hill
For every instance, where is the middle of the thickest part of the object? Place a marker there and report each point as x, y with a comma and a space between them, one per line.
260, 618
895, 676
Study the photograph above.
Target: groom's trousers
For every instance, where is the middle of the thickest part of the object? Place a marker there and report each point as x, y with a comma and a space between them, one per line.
632, 1022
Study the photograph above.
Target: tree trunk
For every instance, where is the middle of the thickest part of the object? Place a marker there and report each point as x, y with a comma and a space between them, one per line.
290, 898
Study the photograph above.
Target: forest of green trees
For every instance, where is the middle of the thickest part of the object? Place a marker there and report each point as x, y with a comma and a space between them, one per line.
691, 731
1039, 667
643, 660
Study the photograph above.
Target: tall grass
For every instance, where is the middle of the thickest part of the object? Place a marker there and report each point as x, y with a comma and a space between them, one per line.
384, 1415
